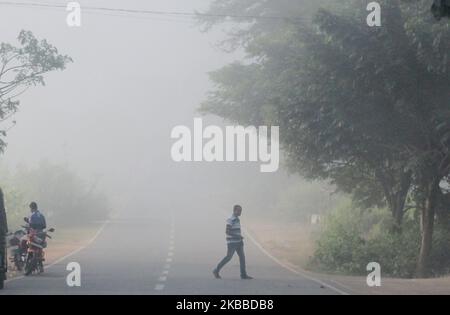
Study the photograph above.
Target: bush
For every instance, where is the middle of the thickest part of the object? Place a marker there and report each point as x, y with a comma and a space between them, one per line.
351, 239
440, 253
339, 242
395, 252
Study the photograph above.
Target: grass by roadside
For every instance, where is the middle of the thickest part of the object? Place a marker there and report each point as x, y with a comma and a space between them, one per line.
293, 244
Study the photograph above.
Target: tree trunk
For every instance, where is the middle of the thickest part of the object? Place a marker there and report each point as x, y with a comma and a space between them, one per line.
398, 213
443, 210
3, 221
396, 198
428, 209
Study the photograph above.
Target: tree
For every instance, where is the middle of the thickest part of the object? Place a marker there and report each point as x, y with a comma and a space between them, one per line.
264, 87
22, 67
364, 107
440, 8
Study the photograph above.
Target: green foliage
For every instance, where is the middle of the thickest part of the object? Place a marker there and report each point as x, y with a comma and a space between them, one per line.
337, 248
440, 255
351, 239
396, 252
253, 33
345, 95
16, 207
21, 67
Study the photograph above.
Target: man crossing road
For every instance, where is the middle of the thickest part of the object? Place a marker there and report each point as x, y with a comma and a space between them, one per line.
235, 243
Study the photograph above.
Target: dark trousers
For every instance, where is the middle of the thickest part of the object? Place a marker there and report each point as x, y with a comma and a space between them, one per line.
239, 249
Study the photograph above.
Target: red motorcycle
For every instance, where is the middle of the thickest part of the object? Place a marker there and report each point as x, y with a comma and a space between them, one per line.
36, 243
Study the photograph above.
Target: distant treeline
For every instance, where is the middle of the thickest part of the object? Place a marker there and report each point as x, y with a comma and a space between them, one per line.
62, 196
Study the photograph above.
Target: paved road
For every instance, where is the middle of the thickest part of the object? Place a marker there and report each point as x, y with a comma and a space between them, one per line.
165, 254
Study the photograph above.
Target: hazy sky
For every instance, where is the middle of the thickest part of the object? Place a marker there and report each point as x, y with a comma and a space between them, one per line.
110, 113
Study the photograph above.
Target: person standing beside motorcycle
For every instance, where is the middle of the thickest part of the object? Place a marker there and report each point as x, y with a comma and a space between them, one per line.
36, 219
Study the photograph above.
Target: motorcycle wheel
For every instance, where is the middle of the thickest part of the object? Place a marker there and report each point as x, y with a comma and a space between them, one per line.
30, 265
41, 267
18, 262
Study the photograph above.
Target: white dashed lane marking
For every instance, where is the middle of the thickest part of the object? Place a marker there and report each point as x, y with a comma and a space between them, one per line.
159, 287
170, 253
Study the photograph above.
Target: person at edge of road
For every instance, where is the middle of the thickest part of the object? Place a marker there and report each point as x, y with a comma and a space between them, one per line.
235, 243
36, 219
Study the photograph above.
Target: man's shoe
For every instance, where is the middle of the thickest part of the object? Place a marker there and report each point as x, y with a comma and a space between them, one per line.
216, 274
246, 277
